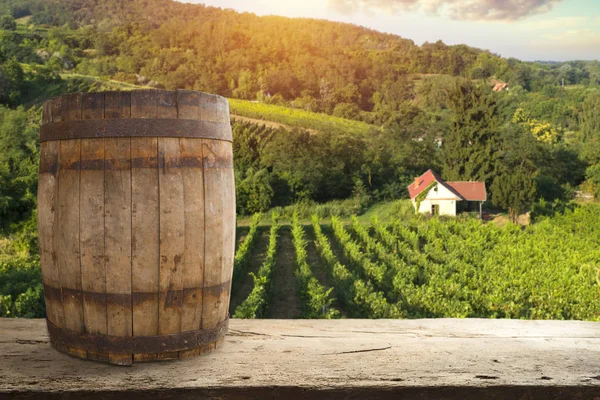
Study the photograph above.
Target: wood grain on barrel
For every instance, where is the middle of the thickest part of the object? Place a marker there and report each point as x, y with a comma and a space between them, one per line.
46, 112
117, 105
145, 262
208, 107
229, 224
193, 257
68, 108
47, 229
146, 218
188, 107
71, 107
117, 192
92, 106
67, 247
188, 104
117, 237
55, 115
213, 302
144, 104
93, 265
172, 231
166, 104
56, 109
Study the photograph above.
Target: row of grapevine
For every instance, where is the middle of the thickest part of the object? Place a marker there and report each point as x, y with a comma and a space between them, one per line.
355, 255
358, 295
298, 118
242, 255
549, 270
256, 304
399, 272
315, 297
443, 287
405, 244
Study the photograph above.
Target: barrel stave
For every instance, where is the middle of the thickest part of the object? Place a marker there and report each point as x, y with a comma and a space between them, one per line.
193, 257
172, 235
145, 261
93, 262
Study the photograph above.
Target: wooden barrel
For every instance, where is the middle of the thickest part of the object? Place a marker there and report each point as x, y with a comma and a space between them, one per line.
136, 208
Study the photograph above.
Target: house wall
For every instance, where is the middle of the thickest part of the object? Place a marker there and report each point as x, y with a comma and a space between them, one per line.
447, 207
442, 197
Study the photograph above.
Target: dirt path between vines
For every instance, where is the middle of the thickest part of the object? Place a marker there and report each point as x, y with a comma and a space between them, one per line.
285, 303
319, 269
242, 288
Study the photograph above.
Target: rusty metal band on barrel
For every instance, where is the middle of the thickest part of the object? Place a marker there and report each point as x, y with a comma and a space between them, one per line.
125, 299
134, 344
137, 344
135, 127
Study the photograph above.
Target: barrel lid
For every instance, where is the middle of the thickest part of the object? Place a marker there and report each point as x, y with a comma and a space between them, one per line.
145, 113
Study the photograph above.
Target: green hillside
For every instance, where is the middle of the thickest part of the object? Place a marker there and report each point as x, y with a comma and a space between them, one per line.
298, 118
381, 104
260, 112
335, 120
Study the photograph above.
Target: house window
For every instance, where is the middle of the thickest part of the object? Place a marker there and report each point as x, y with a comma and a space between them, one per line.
435, 209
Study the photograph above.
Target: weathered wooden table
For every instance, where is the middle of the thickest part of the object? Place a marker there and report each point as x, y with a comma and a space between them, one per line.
358, 359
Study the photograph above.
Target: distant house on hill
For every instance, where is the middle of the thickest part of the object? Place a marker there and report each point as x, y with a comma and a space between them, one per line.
498, 85
429, 193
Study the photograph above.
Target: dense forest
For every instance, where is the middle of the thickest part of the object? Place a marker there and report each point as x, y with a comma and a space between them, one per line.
418, 107
544, 127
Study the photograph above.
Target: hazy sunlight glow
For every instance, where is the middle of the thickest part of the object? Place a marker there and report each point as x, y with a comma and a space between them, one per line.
525, 29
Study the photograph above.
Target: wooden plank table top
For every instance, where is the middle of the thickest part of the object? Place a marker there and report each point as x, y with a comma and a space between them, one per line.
407, 359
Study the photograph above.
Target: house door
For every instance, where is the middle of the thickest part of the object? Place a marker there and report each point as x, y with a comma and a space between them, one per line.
435, 209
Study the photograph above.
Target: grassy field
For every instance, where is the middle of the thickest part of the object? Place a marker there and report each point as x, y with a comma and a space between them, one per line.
386, 210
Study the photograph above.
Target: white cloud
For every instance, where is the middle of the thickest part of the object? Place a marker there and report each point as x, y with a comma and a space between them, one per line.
488, 10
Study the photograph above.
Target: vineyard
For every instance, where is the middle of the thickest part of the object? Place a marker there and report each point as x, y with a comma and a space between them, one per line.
419, 268
298, 118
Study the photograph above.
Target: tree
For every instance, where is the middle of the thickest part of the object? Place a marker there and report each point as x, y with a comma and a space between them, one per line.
590, 128
12, 81
8, 22
593, 178
515, 191
543, 131
254, 193
18, 165
346, 110
470, 149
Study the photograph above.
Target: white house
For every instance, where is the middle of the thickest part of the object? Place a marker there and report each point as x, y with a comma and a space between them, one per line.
431, 194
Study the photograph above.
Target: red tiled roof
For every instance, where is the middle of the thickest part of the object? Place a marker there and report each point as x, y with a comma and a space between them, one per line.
424, 181
470, 191
500, 86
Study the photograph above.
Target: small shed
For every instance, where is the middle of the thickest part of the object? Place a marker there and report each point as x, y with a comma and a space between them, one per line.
431, 194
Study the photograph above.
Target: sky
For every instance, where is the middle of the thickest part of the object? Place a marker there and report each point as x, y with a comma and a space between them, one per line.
556, 30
